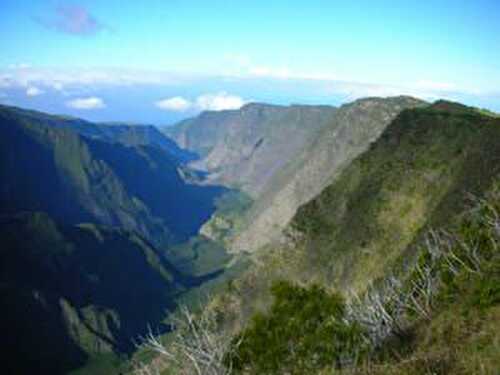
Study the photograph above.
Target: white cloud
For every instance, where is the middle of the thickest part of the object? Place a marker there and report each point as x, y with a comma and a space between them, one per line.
33, 91
86, 103
57, 78
219, 102
425, 89
23, 75
207, 102
84, 83
176, 104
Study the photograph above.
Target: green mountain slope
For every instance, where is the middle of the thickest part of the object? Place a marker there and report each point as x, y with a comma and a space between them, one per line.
437, 315
48, 167
244, 148
70, 292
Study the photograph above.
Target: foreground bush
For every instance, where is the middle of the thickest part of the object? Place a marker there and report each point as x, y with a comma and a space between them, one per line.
304, 331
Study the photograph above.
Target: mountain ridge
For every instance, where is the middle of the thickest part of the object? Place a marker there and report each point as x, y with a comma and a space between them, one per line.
127, 134
243, 148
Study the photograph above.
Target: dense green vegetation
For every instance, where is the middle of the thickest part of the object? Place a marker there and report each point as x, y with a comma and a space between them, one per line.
304, 331
440, 316
460, 333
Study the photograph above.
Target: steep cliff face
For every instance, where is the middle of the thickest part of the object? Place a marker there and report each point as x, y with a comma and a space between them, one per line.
349, 132
244, 148
46, 165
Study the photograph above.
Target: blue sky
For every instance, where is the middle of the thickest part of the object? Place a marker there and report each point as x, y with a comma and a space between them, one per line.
158, 61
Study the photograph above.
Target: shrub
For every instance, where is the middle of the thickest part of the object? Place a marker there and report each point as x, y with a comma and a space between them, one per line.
304, 331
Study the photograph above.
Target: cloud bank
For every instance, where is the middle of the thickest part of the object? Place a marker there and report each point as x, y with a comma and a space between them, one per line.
269, 84
86, 103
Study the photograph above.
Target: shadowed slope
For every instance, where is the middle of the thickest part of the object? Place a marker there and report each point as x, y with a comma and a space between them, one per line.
70, 292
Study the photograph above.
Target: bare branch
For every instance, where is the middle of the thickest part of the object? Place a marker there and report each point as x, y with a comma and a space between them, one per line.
199, 346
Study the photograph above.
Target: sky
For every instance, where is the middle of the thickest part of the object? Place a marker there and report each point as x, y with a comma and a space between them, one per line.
160, 61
